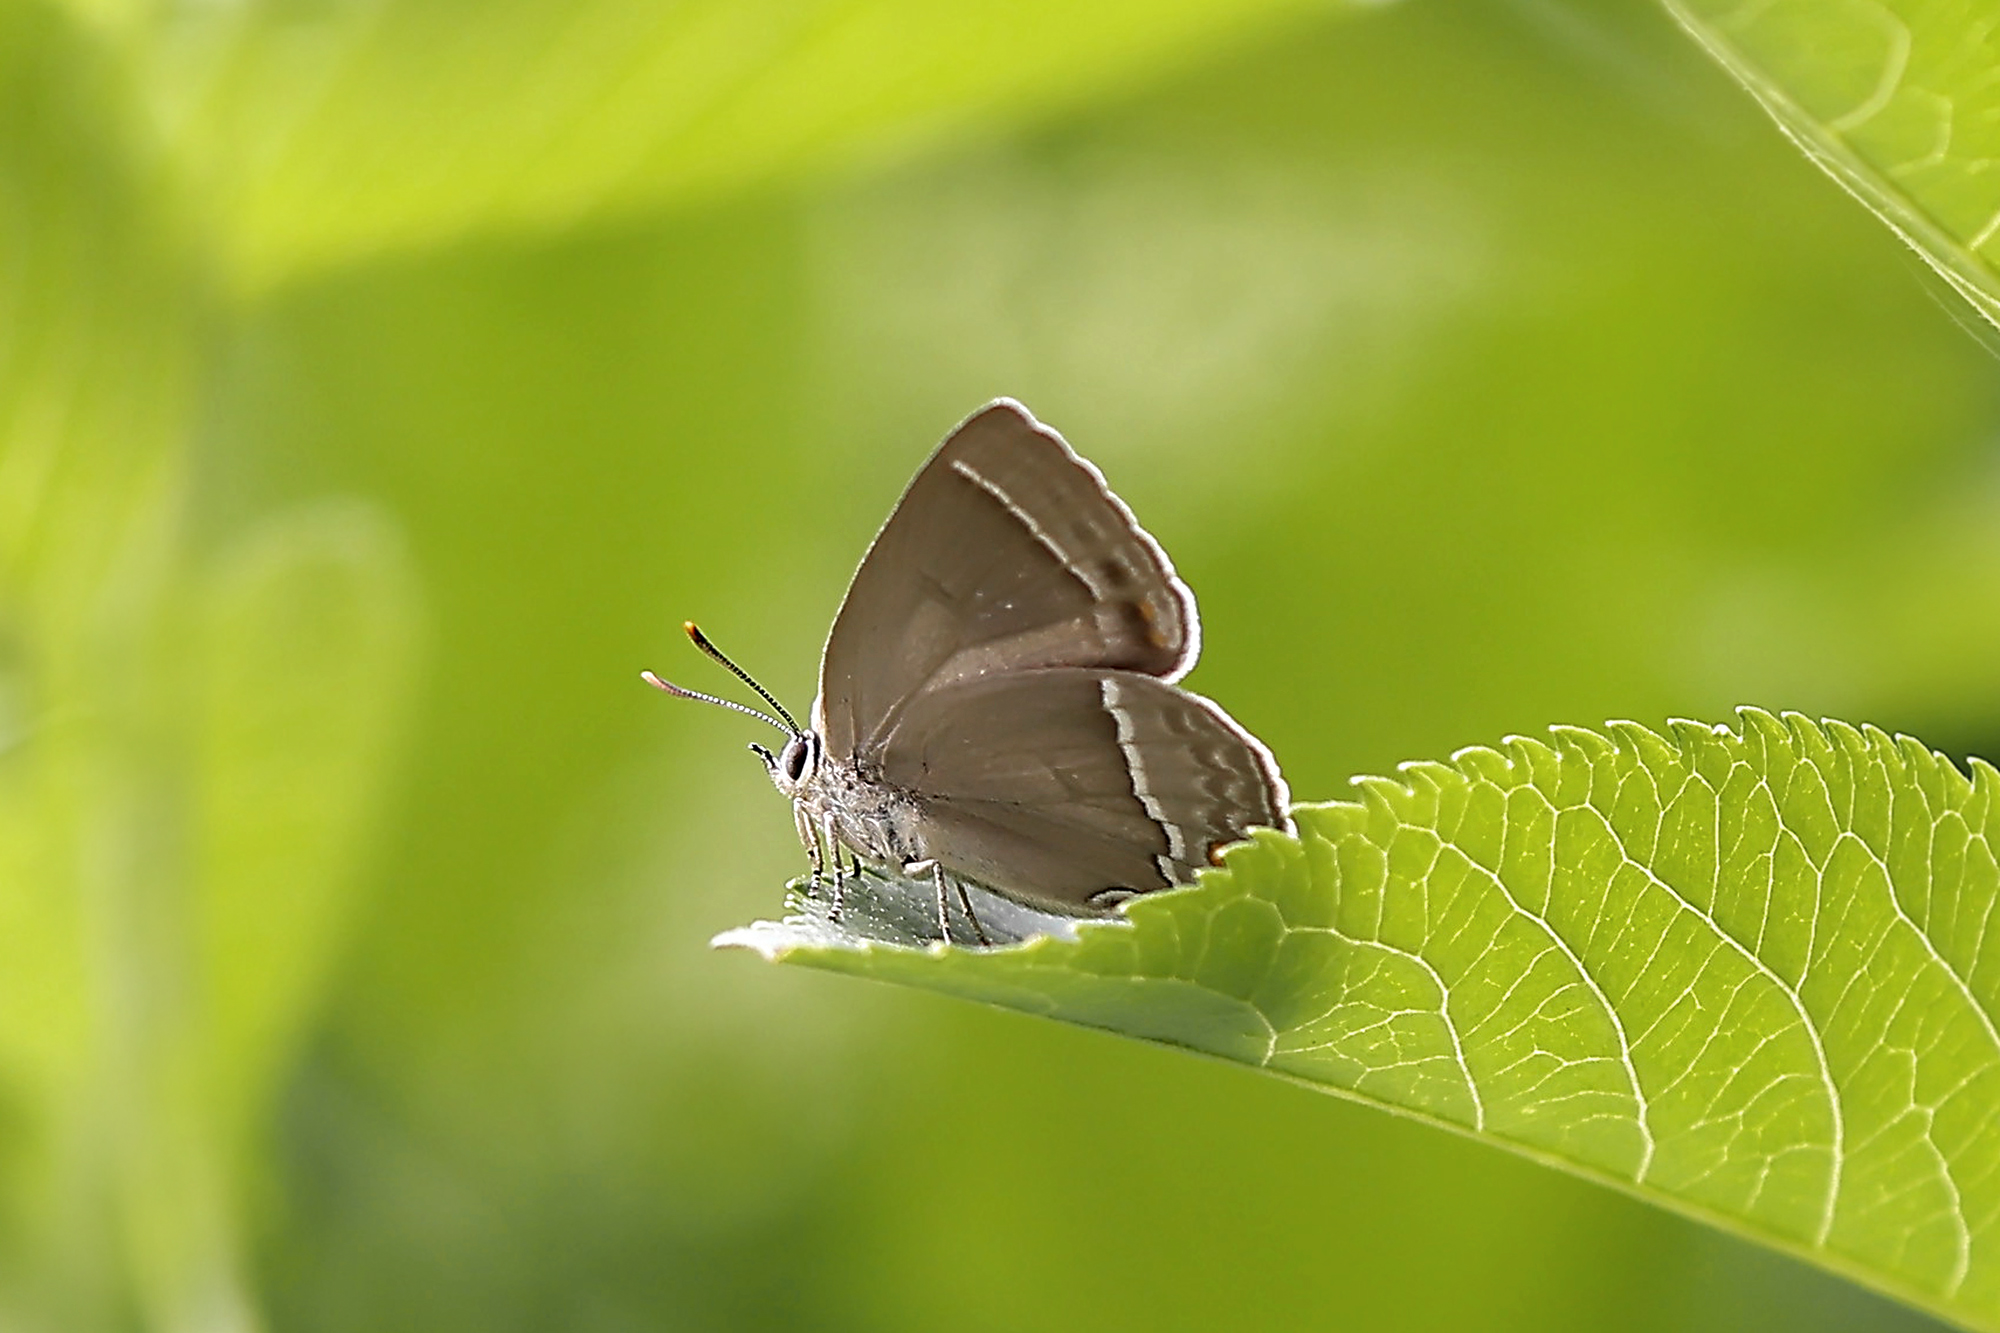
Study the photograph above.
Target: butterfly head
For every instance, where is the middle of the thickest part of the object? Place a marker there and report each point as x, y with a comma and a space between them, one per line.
793, 768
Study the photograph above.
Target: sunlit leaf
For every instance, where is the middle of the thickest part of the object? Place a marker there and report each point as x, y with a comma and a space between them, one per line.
350, 129
1898, 100
1751, 976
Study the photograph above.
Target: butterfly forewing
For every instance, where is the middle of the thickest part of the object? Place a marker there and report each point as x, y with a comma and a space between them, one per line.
1056, 785
1007, 553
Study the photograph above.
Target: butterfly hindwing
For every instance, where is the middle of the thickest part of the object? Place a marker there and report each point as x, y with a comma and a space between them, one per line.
1055, 785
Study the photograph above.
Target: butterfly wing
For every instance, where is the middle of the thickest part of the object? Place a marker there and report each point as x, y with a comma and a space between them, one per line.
1054, 785
1008, 552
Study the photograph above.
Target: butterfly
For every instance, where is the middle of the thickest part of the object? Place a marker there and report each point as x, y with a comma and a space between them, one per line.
998, 699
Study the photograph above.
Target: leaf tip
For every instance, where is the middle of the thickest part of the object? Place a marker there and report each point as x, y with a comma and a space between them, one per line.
770, 939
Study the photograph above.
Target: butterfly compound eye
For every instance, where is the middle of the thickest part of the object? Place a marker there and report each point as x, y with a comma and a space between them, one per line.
796, 759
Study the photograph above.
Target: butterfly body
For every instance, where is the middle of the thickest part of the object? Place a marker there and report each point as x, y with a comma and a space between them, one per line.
845, 805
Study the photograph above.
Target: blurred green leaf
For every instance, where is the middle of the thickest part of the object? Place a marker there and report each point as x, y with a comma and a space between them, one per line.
105, 1211
308, 639
1897, 99
188, 749
331, 133
1747, 976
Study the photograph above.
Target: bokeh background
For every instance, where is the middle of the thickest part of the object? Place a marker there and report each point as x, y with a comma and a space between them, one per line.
382, 382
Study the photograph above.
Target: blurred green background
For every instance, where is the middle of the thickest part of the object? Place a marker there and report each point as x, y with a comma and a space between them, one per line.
382, 383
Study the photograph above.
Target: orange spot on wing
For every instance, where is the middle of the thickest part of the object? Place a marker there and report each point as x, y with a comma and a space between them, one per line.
1149, 616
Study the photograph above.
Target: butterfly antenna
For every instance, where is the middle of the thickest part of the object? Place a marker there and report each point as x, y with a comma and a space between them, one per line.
701, 642
679, 693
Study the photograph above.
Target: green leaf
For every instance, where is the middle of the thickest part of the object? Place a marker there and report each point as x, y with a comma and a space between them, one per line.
307, 641
188, 748
1749, 976
324, 135
1896, 99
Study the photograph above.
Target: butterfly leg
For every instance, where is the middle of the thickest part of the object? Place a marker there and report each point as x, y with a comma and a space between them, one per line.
943, 911
810, 837
936, 873
839, 870
970, 915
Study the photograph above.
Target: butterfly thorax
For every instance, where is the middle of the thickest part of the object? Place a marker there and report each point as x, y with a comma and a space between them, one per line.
852, 807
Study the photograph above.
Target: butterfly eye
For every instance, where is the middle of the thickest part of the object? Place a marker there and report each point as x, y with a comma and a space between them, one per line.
796, 759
